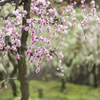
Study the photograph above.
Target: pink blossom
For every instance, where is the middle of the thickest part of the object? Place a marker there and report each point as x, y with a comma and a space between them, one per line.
4, 53
18, 16
27, 53
57, 68
61, 0
12, 41
94, 10
39, 49
29, 20
82, 6
26, 28
32, 59
13, 48
1, 46
8, 47
24, 12
60, 61
74, 24
17, 56
92, 2
85, 37
17, 22
35, 20
41, 55
61, 43
37, 70
62, 70
13, 30
6, 87
83, 10
69, 23
18, 43
21, 26
48, 42
62, 74
15, 34
61, 55
7, 4
75, 3
38, 65
58, 47
16, 12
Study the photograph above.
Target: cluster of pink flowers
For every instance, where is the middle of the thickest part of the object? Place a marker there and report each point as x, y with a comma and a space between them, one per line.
97, 18
14, 38
11, 31
93, 6
45, 11
83, 6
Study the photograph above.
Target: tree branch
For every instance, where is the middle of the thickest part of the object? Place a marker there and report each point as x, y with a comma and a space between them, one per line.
5, 1
17, 3
13, 78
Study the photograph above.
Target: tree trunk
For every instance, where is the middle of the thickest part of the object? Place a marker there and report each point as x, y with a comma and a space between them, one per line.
14, 88
15, 65
98, 74
63, 84
1, 78
22, 68
95, 76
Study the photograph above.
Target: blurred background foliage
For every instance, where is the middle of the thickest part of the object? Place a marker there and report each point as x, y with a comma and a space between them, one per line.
81, 63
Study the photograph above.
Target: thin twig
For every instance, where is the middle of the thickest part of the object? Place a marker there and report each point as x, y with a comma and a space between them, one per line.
81, 25
3, 13
13, 78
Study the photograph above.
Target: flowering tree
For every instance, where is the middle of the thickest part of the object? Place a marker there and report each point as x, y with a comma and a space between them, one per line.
14, 34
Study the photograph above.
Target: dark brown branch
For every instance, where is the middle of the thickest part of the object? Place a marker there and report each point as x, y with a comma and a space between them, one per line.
1, 17
9, 15
5, 1
21, 3
17, 3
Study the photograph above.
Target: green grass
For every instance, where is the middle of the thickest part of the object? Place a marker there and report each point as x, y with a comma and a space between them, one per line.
51, 91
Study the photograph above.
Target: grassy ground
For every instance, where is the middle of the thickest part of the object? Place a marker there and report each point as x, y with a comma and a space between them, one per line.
51, 91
